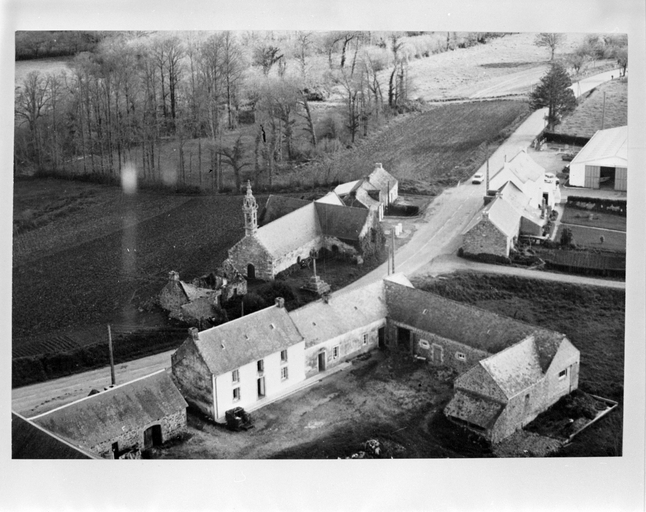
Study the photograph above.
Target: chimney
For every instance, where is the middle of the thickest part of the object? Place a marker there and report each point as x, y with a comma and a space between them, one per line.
194, 333
378, 166
173, 276
280, 302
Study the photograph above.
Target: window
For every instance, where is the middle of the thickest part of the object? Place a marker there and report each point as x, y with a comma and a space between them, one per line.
235, 375
236, 394
424, 344
365, 339
460, 356
563, 374
283, 356
335, 352
261, 387
284, 373
261, 366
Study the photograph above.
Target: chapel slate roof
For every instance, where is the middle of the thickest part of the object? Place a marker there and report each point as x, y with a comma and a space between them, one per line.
30, 441
247, 339
343, 222
290, 231
341, 313
278, 206
104, 416
472, 326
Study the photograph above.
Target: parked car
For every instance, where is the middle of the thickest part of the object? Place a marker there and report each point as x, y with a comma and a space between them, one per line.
477, 178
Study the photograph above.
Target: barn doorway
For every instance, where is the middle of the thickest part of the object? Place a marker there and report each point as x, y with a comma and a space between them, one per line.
381, 334
251, 271
607, 178
437, 354
322, 360
403, 338
152, 437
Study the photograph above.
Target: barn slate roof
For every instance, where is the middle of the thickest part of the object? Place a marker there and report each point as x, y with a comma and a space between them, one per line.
345, 188
343, 222
30, 441
247, 339
501, 214
343, 312
515, 197
104, 416
475, 409
278, 206
381, 178
610, 143
472, 326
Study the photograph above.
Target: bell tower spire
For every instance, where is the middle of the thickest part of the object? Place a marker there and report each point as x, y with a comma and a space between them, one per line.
250, 209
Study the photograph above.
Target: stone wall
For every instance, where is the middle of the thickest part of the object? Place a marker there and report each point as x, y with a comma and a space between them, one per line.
172, 297
249, 250
193, 378
485, 238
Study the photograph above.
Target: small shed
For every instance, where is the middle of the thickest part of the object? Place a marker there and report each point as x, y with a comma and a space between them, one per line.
603, 161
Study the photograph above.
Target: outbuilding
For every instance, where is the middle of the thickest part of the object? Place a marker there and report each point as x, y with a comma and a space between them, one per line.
603, 161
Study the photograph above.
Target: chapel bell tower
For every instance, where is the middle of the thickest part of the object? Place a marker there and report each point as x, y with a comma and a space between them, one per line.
250, 209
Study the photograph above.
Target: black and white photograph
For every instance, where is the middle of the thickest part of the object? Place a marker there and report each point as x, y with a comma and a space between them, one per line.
248, 251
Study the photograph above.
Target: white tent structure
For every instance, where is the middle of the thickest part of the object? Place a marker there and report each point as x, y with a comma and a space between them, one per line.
603, 161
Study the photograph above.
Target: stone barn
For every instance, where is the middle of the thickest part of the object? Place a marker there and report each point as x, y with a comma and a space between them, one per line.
508, 371
507, 390
603, 161
493, 231
267, 250
241, 363
123, 421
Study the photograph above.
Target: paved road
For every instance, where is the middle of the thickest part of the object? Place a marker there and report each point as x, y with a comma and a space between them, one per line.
438, 234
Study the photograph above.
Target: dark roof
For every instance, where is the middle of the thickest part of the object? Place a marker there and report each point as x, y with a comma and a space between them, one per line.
247, 339
277, 206
29, 441
475, 327
343, 222
473, 409
106, 415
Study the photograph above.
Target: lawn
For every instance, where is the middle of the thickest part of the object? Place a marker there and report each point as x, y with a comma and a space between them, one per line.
594, 219
590, 238
592, 318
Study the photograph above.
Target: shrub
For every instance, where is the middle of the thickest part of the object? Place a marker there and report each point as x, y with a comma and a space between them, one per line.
567, 238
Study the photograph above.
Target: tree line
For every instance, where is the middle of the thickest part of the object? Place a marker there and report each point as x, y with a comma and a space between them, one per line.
137, 93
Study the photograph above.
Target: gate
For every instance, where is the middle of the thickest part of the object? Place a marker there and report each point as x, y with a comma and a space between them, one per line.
592, 175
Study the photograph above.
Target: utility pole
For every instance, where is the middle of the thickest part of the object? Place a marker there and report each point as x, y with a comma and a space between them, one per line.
603, 114
114, 380
392, 245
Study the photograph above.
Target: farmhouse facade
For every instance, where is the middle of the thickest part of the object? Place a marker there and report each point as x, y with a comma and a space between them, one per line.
270, 249
603, 161
121, 421
241, 363
246, 362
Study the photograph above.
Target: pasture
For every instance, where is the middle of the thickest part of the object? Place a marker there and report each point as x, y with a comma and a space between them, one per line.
591, 113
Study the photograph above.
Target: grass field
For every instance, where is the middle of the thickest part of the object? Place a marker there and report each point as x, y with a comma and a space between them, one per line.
598, 220
589, 238
592, 318
591, 113
431, 149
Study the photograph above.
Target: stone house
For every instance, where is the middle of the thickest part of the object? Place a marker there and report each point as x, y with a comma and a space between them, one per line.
376, 192
529, 177
493, 231
509, 371
197, 302
267, 250
241, 363
123, 420
507, 390
341, 326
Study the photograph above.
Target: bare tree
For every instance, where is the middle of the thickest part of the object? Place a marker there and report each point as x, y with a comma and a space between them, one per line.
32, 102
234, 156
549, 40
